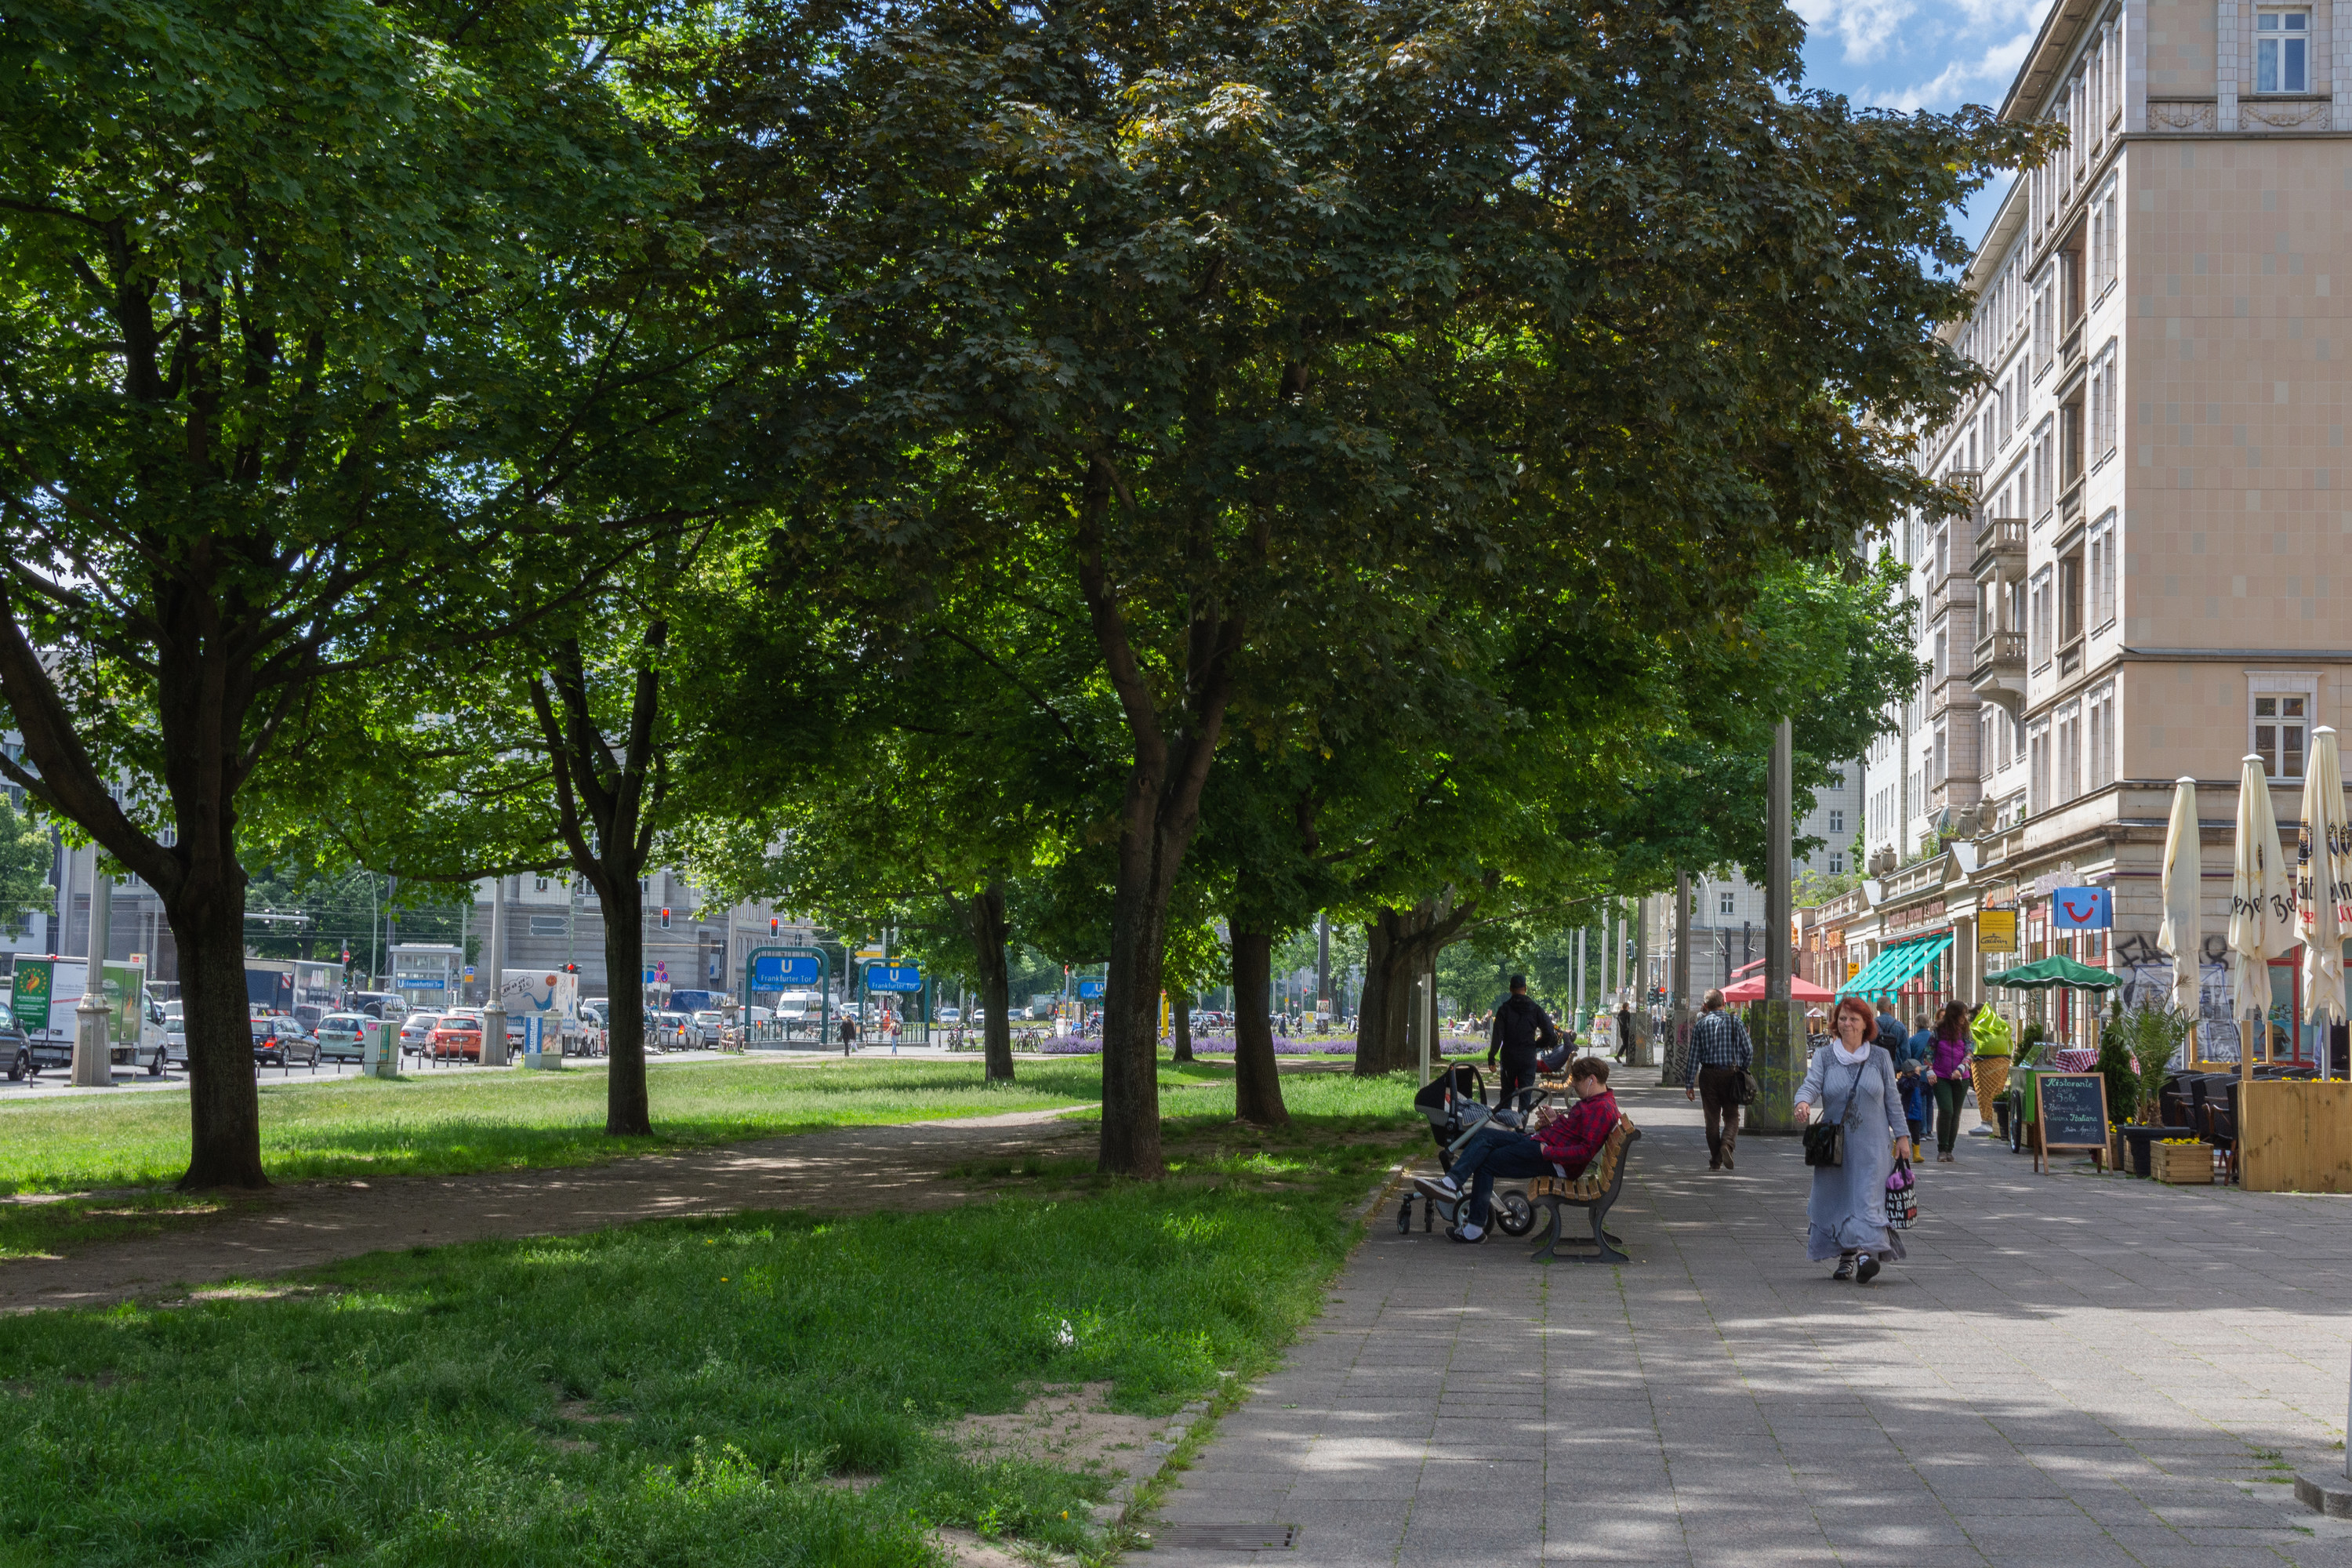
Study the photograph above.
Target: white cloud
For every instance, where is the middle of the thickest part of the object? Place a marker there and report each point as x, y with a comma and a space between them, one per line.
1866, 28
1985, 76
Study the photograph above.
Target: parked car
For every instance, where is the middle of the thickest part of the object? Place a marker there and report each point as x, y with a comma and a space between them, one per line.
416, 1031
26, 1057
950, 1015
377, 1004
711, 1023
342, 1036
282, 1042
457, 1034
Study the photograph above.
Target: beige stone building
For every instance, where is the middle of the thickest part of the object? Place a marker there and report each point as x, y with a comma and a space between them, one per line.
2146, 588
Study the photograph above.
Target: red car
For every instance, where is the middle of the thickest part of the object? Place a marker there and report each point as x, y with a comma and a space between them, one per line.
457, 1034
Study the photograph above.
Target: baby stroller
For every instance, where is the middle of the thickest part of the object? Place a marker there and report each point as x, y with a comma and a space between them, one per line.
1455, 1101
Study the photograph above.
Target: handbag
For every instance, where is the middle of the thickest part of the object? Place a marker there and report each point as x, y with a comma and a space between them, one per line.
1902, 1197
1751, 1091
1825, 1140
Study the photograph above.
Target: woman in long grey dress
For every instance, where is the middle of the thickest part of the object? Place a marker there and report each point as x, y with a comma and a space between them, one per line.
1852, 1081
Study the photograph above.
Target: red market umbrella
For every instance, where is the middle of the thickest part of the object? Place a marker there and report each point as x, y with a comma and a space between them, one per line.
1753, 990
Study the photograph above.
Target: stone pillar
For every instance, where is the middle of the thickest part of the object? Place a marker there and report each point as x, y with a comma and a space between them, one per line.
93, 1056
494, 1016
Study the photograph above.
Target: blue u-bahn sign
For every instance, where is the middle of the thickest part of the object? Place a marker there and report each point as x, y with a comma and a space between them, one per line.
906, 977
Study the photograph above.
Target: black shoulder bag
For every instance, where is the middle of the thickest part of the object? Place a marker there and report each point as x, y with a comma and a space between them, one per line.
1825, 1140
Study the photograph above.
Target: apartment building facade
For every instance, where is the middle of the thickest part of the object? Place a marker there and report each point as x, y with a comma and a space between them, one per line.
688, 942
2143, 587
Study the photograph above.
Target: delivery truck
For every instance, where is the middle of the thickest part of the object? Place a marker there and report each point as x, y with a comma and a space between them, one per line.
44, 996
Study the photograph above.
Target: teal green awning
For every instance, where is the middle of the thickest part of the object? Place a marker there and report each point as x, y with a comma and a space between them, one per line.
1884, 975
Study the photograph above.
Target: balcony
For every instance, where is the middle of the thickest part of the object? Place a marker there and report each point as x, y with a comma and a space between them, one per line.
2001, 545
1999, 672
1953, 591
1964, 480
2070, 347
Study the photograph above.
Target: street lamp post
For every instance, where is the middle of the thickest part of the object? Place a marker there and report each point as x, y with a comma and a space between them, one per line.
93, 1059
494, 1016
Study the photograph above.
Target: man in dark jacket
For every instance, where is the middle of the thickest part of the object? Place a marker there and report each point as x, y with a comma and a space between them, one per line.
1522, 1032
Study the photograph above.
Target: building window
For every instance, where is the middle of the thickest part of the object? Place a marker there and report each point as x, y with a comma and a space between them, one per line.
2039, 626
2281, 51
2045, 441
1837, 865
2103, 572
2281, 723
2103, 404
1837, 822
2070, 598
541, 884
2106, 240
2037, 752
1727, 905
2101, 738
2069, 762
2044, 340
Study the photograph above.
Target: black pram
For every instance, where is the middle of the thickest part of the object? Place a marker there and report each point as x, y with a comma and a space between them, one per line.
1455, 1101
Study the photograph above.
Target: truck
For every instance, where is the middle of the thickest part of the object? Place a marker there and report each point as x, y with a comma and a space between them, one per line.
44, 994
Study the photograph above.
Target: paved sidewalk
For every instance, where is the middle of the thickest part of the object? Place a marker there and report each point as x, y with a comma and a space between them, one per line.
2074, 1371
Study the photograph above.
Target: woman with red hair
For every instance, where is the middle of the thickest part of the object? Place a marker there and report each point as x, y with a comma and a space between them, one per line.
1853, 1082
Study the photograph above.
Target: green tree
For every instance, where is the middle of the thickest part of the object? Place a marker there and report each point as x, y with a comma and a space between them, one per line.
26, 855
325, 348
1444, 302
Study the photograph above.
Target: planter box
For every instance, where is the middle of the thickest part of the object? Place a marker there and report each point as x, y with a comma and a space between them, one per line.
2181, 1164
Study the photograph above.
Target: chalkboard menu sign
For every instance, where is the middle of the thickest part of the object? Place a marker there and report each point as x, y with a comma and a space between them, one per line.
2073, 1109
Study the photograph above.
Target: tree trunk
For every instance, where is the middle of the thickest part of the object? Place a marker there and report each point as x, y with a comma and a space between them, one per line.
628, 1105
1181, 1004
1257, 1086
987, 918
1391, 965
224, 1100
1148, 860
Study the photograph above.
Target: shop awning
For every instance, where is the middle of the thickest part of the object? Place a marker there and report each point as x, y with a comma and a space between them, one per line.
1899, 963
2058, 970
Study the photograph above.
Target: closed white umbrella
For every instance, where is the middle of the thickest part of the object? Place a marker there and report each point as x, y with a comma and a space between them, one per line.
2261, 904
2183, 932
2323, 886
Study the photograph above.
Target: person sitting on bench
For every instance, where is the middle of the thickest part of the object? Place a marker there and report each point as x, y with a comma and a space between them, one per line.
1564, 1143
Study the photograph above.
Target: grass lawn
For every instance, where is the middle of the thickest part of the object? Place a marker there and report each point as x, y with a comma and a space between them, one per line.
431, 1124
441, 1406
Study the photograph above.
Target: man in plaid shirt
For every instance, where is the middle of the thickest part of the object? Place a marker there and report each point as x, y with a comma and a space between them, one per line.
1718, 1055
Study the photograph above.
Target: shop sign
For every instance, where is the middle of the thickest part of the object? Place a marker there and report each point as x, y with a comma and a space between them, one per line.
1930, 914
2082, 908
1997, 930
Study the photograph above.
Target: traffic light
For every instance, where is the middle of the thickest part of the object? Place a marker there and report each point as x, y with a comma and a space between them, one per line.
665, 919
772, 925
571, 969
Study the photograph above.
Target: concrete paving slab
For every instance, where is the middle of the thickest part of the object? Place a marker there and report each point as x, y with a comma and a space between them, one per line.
2077, 1370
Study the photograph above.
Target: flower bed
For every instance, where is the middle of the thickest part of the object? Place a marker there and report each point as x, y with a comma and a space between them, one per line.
1205, 1046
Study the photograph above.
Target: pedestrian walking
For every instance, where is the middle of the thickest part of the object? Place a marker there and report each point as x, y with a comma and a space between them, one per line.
1853, 1084
1947, 1077
1522, 1032
848, 1033
1624, 1031
1911, 1060
1714, 1068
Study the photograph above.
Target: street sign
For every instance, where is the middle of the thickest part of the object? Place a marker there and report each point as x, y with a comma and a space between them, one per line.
786, 969
905, 977
30, 999
1089, 989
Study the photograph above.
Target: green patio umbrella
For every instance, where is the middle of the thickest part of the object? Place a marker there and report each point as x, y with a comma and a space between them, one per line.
2056, 970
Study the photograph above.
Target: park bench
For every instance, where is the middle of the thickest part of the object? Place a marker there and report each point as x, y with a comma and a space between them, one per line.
1596, 1194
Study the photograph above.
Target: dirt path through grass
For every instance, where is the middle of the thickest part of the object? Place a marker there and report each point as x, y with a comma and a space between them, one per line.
847, 1170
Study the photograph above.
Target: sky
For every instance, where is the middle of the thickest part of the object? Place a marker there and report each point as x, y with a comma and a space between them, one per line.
1921, 54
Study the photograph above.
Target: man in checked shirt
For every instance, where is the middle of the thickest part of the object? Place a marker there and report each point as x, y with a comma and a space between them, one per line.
1719, 1053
